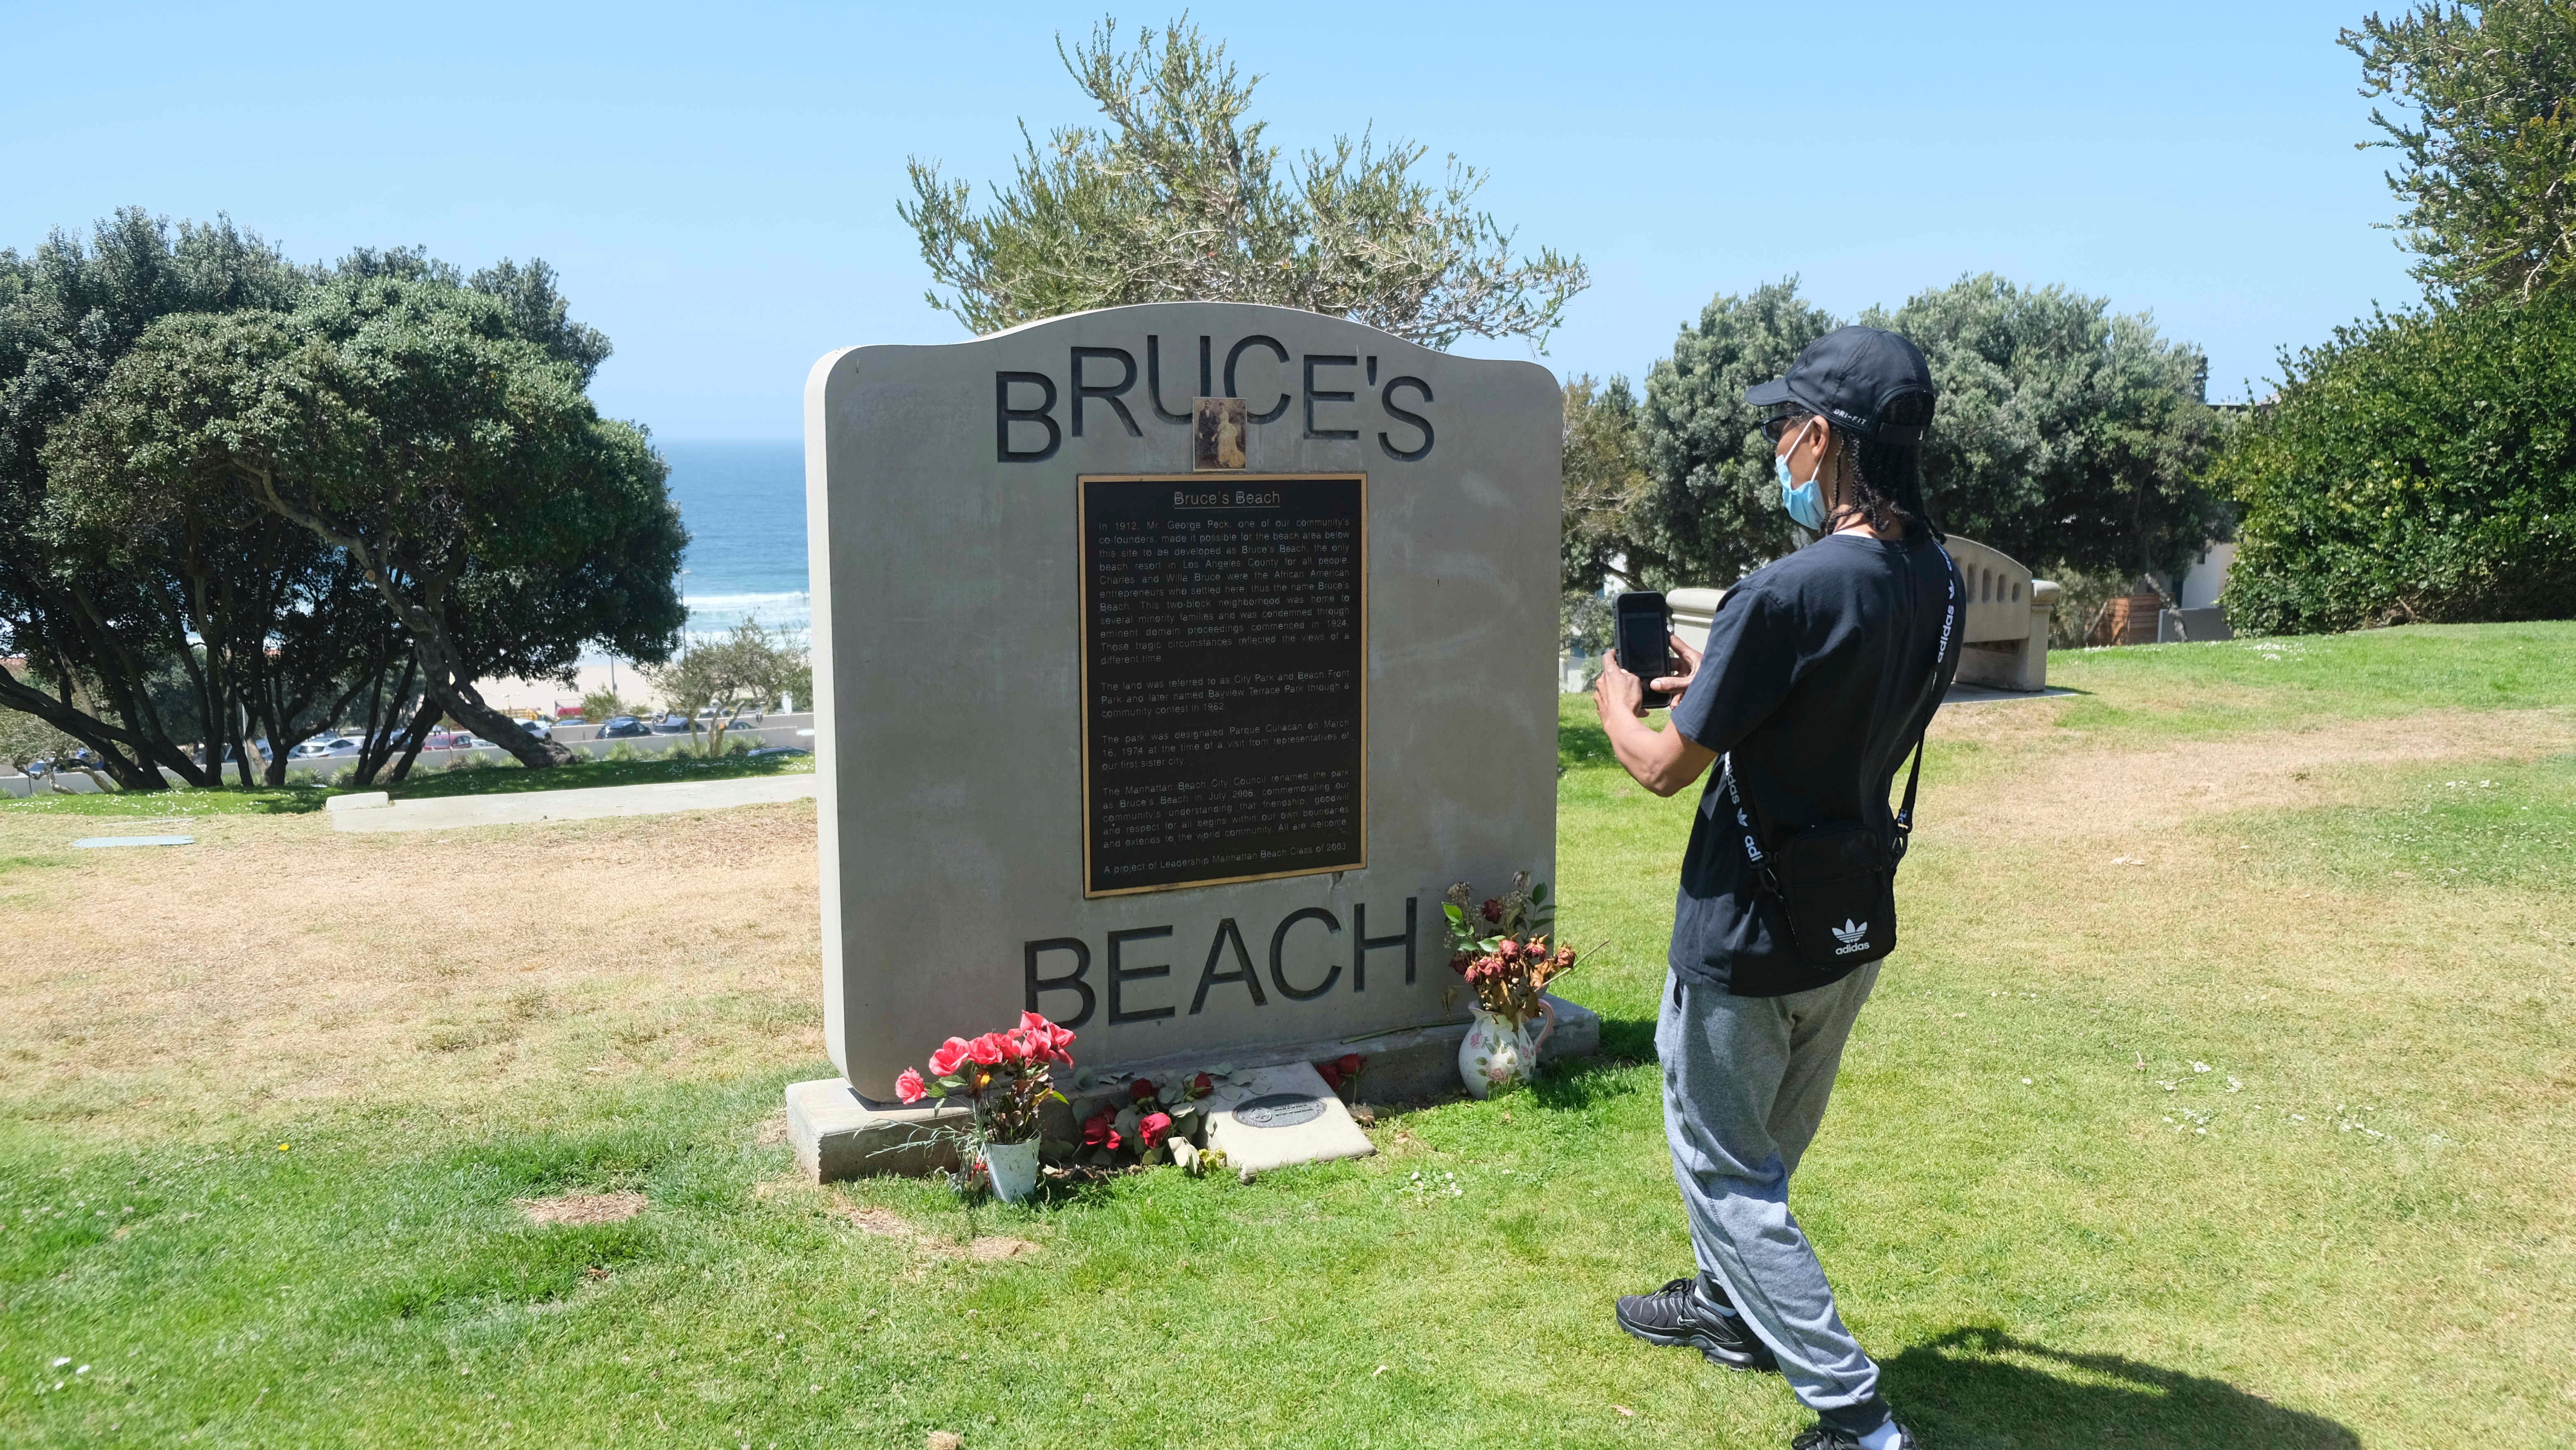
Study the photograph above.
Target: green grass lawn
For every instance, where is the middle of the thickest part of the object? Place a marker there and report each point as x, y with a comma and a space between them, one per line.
2219, 1096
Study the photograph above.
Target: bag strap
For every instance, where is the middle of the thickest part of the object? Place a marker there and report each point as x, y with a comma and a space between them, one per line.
1945, 668
1748, 818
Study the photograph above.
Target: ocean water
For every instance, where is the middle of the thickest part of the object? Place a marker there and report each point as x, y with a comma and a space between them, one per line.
744, 506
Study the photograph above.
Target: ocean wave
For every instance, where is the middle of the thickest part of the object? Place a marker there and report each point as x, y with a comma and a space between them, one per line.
713, 616
798, 599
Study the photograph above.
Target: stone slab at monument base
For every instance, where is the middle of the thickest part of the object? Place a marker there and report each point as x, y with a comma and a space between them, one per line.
838, 1134
1285, 1115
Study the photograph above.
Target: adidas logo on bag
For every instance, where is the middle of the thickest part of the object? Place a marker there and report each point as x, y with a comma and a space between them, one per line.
1854, 937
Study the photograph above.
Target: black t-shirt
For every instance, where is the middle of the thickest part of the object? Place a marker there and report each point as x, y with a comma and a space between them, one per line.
1813, 687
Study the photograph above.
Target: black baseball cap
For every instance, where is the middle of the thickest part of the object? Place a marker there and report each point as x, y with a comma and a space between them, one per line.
1851, 376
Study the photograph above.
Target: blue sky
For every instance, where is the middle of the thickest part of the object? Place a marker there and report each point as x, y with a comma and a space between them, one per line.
717, 185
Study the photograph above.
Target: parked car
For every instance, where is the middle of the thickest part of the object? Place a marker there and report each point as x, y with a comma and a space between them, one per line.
538, 728
321, 746
232, 753
429, 740
623, 727
673, 723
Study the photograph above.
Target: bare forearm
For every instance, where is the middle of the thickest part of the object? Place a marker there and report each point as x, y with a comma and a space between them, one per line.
1663, 761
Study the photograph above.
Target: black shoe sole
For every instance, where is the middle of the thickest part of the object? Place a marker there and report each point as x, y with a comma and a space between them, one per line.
1754, 1362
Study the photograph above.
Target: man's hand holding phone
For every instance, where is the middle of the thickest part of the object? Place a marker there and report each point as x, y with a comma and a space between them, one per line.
1618, 689
1673, 685
1663, 761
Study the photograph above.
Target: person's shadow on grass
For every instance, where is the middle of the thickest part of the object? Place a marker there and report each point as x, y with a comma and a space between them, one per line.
1977, 1387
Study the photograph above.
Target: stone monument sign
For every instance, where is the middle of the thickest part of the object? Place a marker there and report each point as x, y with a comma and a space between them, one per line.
1171, 661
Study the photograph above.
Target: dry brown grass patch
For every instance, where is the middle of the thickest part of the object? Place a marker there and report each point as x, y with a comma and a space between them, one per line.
581, 1208
2081, 858
279, 965
2109, 794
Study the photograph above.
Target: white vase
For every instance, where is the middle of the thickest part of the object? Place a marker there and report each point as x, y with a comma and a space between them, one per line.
1496, 1054
1013, 1168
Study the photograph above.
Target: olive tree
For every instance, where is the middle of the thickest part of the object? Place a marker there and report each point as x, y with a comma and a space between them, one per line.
26, 739
2486, 139
1176, 197
726, 676
1607, 487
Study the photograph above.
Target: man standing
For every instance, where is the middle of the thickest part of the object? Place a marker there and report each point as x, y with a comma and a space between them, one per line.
1820, 673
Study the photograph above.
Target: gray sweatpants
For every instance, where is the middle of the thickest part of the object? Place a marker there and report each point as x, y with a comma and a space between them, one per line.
1745, 1084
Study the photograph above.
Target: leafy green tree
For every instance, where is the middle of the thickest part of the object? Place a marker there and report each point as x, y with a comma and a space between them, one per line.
2066, 436
1713, 513
268, 632
2486, 140
1176, 197
2419, 467
523, 620
107, 639
747, 668
604, 703
26, 739
394, 720
401, 420
1607, 487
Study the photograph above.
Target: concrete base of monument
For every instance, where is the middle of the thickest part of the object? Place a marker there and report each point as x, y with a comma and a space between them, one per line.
838, 1134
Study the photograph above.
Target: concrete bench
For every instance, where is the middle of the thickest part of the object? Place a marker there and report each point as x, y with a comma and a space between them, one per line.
2007, 638
2006, 644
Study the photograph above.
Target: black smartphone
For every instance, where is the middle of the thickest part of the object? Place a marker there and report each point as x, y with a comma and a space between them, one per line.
1646, 640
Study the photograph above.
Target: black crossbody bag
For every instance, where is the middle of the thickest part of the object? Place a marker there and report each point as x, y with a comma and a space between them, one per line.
1835, 883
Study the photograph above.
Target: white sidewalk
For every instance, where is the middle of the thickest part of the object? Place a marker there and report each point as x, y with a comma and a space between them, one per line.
521, 807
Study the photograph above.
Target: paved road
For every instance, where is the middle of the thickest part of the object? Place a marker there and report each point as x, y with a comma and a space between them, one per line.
520, 807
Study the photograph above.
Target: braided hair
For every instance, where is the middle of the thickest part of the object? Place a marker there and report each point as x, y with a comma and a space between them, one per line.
1882, 482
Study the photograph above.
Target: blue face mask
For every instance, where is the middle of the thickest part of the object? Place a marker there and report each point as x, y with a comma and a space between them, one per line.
1805, 502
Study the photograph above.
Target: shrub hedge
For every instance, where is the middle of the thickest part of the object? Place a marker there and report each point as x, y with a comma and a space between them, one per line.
2420, 467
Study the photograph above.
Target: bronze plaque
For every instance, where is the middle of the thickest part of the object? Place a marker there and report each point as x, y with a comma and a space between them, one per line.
1279, 1110
1224, 679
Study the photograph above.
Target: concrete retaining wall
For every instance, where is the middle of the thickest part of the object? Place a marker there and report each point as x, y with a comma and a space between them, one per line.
797, 730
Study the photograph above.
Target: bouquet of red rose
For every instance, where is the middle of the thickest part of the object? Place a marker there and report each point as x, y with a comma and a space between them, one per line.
1341, 1072
1154, 1122
1004, 1075
1501, 948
